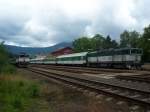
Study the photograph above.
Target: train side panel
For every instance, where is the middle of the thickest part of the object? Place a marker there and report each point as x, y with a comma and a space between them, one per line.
72, 59
104, 59
130, 57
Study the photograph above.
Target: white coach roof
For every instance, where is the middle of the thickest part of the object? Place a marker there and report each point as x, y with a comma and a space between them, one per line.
73, 55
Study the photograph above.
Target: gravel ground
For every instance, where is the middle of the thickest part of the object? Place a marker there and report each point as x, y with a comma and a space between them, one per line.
58, 98
146, 66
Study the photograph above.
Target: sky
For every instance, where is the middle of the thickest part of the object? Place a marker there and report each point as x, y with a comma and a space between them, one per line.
41, 23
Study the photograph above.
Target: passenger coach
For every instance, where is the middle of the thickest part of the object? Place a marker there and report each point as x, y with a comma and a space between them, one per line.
72, 59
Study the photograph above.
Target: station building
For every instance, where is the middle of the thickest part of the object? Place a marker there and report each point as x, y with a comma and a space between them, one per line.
62, 51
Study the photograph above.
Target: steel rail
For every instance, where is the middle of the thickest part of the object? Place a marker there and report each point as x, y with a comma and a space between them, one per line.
116, 70
134, 78
67, 69
90, 68
98, 87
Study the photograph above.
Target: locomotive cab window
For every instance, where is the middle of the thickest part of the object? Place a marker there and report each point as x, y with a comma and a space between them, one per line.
136, 51
126, 51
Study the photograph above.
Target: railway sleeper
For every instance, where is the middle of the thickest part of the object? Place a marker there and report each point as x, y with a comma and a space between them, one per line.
88, 86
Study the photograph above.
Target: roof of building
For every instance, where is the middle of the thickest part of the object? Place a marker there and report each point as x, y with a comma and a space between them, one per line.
73, 55
61, 49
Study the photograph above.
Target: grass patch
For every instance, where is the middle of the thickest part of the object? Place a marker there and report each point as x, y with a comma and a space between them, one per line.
16, 94
7, 69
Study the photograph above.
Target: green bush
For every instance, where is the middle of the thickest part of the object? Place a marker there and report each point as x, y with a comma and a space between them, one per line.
15, 95
5, 66
34, 90
8, 68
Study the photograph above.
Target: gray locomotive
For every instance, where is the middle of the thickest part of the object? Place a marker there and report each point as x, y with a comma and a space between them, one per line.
22, 60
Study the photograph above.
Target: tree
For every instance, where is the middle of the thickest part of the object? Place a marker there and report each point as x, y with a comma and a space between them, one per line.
129, 39
114, 44
82, 44
108, 43
3, 56
124, 39
144, 43
97, 42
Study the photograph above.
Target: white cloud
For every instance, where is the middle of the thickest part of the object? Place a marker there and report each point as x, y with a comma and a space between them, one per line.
45, 22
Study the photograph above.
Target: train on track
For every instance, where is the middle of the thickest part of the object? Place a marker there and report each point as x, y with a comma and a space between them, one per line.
112, 58
22, 60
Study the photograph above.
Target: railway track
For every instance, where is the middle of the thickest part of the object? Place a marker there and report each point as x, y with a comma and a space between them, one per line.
132, 81
70, 69
125, 81
137, 78
86, 69
94, 70
134, 95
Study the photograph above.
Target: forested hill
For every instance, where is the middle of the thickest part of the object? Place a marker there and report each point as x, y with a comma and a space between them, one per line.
36, 50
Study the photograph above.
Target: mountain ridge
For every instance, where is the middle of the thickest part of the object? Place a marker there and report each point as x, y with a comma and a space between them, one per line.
36, 50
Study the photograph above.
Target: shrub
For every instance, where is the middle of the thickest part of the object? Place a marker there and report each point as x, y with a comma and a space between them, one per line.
33, 90
5, 66
8, 68
16, 94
